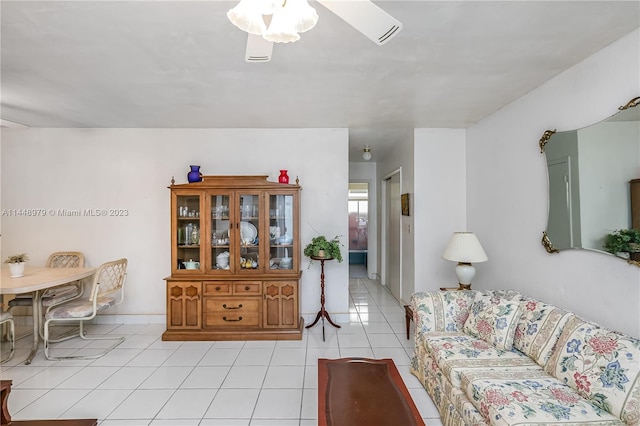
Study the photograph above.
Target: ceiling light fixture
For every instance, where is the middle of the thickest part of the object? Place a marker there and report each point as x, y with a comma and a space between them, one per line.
288, 18
366, 154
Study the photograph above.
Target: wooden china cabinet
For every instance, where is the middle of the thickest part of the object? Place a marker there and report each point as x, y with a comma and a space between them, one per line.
235, 260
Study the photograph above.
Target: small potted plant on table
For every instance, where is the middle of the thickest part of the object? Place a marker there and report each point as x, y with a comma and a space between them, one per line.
321, 247
16, 264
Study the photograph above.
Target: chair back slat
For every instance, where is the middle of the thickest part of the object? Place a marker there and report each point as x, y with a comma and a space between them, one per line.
66, 259
110, 276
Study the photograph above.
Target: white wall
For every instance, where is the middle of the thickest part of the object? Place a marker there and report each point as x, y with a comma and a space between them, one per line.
507, 191
366, 172
439, 204
400, 158
131, 169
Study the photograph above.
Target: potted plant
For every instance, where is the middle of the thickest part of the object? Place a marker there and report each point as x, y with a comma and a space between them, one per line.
321, 247
16, 264
623, 241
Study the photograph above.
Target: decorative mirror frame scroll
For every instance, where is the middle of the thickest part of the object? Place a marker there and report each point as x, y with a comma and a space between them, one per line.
546, 136
546, 242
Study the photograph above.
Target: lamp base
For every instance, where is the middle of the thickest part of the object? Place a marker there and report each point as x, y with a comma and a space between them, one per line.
465, 273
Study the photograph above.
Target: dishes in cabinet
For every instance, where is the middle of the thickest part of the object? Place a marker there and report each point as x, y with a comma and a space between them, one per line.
274, 232
248, 231
286, 239
248, 263
222, 260
286, 263
220, 242
281, 263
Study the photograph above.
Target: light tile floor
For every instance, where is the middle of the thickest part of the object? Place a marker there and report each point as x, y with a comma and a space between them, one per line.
146, 381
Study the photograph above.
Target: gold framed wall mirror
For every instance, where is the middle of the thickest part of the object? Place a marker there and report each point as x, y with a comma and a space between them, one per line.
593, 176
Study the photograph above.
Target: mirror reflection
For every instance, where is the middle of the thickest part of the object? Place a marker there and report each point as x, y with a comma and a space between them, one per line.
594, 185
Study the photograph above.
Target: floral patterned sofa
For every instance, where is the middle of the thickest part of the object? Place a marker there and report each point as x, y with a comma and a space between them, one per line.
500, 358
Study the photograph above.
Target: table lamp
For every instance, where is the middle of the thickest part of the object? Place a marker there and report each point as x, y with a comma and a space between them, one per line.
465, 248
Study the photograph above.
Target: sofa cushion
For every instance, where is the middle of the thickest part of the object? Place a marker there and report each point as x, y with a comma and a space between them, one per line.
530, 398
538, 329
494, 320
445, 395
601, 365
455, 353
448, 310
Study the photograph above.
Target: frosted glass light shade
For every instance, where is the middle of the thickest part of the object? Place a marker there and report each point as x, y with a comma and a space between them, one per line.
282, 28
304, 16
248, 17
289, 17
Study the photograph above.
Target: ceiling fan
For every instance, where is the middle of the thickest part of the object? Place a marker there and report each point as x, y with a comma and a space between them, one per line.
363, 15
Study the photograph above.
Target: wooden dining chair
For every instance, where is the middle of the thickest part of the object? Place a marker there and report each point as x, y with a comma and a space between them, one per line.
7, 318
107, 290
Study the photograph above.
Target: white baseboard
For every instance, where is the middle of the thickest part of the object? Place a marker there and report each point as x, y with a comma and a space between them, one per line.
107, 319
340, 318
130, 319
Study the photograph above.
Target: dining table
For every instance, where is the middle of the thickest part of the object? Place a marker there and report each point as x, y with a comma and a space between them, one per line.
35, 281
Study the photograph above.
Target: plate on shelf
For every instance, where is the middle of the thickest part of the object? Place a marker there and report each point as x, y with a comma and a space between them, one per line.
248, 231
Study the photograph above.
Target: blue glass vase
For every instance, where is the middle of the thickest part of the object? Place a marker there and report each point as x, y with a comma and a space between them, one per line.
194, 175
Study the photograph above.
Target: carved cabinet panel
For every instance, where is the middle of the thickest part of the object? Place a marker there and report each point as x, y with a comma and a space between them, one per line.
184, 308
280, 304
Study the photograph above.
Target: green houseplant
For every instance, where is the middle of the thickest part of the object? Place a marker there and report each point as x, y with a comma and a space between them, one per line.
17, 258
622, 241
320, 246
16, 264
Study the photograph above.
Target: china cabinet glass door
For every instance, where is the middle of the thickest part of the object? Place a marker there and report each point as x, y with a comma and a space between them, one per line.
281, 232
249, 231
188, 231
221, 235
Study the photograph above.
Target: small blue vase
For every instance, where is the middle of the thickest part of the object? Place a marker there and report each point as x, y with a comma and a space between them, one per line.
194, 175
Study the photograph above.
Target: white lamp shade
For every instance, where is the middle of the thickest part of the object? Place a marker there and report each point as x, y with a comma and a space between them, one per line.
464, 247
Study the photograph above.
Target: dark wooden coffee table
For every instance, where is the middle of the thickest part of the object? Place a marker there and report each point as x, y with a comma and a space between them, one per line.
5, 417
362, 391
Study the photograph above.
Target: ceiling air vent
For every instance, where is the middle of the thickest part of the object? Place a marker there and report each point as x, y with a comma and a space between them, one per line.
258, 49
366, 17
388, 34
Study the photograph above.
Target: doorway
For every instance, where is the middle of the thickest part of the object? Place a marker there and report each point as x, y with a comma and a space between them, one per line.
358, 240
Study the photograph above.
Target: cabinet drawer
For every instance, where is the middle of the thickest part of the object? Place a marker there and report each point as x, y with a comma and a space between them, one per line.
236, 318
212, 288
247, 287
228, 304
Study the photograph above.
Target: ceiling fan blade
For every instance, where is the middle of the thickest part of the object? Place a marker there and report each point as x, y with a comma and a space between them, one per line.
365, 17
258, 49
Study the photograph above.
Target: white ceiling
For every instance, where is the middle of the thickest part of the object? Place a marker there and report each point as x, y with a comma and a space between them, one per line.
160, 64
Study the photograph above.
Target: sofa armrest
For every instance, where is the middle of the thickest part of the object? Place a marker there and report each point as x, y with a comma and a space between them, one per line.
441, 310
